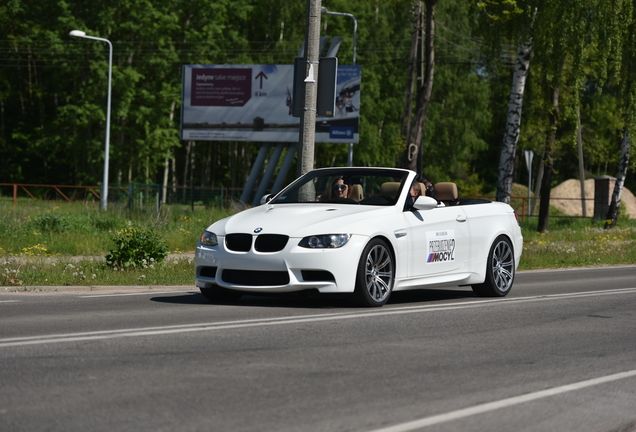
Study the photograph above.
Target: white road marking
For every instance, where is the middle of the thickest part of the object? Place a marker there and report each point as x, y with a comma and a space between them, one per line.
9, 301
260, 322
135, 294
503, 403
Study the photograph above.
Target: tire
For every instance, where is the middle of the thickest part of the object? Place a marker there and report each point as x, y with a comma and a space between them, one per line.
375, 275
500, 270
220, 295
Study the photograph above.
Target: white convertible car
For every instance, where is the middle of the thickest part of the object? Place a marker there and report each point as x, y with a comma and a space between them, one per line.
359, 231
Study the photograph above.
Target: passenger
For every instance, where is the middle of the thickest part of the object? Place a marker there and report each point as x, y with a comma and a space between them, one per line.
430, 190
416, 190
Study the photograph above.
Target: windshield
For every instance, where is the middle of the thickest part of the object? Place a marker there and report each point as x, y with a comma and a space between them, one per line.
373, 186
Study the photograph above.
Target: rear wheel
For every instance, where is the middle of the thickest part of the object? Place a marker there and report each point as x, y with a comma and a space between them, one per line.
220, 295
375, 275
500, 270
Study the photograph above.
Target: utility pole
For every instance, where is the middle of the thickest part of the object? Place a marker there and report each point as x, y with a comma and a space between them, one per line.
308, 116
415, 42
412, 151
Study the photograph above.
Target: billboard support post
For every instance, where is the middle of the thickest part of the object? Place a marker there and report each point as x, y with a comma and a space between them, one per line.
325, 11
256, 169
269, 172
282, 173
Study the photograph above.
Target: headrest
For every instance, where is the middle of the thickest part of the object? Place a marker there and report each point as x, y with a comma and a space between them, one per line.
390, 189
446, 191
356, 192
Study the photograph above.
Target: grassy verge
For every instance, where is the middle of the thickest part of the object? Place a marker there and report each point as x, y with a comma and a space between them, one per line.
578, 243
48, 229
58, 271
40, 243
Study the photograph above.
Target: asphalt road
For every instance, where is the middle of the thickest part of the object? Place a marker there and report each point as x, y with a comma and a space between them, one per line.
559, 353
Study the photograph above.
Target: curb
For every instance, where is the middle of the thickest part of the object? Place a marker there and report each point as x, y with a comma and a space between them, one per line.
97, 288
74, 259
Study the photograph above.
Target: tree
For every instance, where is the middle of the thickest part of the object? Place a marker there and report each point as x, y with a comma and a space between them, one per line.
564, 33
500, 19
53, 87
629, 103
515, 106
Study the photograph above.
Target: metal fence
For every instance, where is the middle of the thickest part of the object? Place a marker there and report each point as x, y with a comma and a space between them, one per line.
135, 195
153, 196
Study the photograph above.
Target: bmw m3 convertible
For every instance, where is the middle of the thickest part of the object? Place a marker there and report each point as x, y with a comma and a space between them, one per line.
360, 231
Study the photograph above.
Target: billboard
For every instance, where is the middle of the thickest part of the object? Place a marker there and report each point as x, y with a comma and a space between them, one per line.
254, 103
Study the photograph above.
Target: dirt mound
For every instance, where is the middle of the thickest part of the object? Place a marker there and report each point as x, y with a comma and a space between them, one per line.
570, 203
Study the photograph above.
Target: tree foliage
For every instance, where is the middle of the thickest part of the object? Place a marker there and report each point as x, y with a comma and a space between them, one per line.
53, 86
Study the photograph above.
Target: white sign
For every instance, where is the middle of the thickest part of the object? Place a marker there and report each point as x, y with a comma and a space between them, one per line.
254, 103
441, 246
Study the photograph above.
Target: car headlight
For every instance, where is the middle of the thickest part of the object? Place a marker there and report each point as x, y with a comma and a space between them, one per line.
325, 241
208, 239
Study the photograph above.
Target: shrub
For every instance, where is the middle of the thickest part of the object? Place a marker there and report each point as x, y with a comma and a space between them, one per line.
107, 222
50, 222
137, 248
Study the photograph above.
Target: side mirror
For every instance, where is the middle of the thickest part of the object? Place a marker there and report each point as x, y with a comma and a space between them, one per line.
266, 198
425, 203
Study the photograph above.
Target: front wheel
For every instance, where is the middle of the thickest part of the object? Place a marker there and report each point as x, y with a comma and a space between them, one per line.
375, 275
500, 270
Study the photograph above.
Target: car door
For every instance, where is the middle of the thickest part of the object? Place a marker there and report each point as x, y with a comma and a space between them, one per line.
438, 240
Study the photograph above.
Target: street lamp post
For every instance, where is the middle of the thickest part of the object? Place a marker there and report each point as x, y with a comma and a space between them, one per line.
104, 195
324, 11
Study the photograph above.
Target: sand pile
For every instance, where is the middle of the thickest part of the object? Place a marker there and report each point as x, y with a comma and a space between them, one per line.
570, 204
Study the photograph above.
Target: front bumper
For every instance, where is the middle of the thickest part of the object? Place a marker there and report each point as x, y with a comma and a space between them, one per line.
292, 269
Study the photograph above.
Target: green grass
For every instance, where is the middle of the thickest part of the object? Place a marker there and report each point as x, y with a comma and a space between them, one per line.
40, 244
56, 271
577, 242
48, 229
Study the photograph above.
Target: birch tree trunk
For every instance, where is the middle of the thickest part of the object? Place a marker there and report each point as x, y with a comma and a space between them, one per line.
185, 169
513, 123
164, 185
166, 161
612, 212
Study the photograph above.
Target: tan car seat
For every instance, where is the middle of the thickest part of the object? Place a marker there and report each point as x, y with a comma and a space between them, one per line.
446, 192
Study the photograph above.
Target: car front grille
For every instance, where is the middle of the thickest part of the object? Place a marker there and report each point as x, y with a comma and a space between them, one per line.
255, 277
238, 242
270, 242
263, 243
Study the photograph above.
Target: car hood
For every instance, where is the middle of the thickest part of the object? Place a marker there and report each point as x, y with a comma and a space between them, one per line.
299, 220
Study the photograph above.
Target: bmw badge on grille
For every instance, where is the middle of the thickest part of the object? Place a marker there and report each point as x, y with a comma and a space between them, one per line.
257, 230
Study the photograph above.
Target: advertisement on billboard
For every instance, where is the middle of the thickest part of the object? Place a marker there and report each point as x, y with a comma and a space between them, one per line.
254, 103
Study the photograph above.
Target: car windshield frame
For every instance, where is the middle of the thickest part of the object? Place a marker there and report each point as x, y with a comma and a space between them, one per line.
365, 186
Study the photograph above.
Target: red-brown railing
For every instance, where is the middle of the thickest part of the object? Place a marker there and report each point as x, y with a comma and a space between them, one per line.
186, 195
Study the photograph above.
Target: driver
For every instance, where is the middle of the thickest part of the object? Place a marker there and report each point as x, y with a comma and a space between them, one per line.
338, 189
